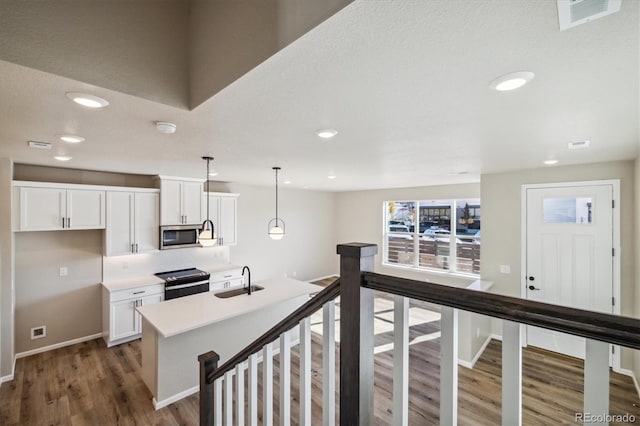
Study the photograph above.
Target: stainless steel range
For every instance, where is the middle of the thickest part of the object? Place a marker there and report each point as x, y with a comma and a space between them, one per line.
184, 282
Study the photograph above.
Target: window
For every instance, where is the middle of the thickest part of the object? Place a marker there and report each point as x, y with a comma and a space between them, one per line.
442, 235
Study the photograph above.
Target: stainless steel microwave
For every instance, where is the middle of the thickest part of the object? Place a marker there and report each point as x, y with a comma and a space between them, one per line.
179, 236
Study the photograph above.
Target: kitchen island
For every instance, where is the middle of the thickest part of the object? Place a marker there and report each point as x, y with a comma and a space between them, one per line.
176, 331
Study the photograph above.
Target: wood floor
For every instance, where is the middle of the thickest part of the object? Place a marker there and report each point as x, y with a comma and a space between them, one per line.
89, 384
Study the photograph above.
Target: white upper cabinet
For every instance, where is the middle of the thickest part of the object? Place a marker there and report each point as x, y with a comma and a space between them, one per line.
180, 201
223, 214
132, 222
45, 207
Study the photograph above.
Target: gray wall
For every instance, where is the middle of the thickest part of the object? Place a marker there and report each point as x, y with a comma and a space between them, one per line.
69, 306
501, 216
6, 270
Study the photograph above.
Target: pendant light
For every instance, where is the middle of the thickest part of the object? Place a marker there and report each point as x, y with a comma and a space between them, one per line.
207, 234
276, 226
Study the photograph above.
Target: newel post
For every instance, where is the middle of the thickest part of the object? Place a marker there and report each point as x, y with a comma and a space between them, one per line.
208, 364
356, 334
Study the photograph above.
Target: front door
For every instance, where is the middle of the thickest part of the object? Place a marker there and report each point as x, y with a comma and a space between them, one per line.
569, 255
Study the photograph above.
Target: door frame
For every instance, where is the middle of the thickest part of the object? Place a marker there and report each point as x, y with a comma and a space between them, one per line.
615, 183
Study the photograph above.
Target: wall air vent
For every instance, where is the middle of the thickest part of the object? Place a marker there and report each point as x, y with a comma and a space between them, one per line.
39, 145
576, 12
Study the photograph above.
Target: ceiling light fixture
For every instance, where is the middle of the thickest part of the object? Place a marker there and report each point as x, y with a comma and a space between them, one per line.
287, 182
71, 138
166, 127
89, 101
550, 162
62, 157
332, 176
326, 133
511, 81
213, 174
207, 235
276, 225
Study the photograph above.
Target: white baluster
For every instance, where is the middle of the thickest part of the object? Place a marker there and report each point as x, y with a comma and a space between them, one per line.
596, 380
448, 366
285, 378
217, 401
228, 398
400, 360
253, 389
329, 364
240, 394
267, 385
511, 374
305, 371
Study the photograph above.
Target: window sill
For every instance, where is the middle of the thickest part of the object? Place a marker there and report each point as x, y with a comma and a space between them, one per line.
435, 272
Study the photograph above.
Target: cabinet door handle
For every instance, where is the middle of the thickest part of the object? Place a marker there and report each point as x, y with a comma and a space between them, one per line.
68, 222
136, 247
139, 292
228, 276
63, 223
132, 248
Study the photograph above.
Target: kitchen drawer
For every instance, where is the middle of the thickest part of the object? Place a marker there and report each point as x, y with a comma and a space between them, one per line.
137, 292
225, 275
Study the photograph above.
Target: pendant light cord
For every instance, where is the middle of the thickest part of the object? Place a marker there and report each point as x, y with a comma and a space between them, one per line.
208, 160
276, 197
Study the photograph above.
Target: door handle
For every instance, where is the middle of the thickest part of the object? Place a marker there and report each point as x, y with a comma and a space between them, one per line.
532, 287
531, 278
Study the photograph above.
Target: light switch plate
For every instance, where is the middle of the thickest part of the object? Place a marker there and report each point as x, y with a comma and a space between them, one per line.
505, 269
63, 271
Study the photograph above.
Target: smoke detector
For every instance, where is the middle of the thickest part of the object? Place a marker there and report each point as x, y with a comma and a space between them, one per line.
576, 12
165, 127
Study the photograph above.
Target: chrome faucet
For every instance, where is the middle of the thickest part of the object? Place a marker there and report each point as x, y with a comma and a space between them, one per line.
249, 271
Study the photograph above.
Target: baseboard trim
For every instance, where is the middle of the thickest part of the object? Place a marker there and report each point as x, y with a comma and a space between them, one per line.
58, 345
497, 337
627, 372
167, 401
477, 356
6, 378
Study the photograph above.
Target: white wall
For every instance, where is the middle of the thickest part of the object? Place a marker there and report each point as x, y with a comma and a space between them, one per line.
636, 234
309, 246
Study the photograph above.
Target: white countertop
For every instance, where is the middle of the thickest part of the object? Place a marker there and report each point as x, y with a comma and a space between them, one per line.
177, 316
142, 281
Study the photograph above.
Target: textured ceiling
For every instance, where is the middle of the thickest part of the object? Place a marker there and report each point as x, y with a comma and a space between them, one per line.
404, 82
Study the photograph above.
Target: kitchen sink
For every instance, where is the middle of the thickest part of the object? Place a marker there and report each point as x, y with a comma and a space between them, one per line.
237, 292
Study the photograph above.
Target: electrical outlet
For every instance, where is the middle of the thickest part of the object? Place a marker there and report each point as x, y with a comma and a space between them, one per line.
39, 332
505, 269
285, 275
64, 271
477, 332
125, 265
294, 274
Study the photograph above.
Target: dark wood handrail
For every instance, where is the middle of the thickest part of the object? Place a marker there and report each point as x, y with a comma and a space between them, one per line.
326, 295
609, 328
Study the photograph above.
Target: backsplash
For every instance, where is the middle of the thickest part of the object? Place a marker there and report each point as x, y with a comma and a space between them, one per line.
136, 265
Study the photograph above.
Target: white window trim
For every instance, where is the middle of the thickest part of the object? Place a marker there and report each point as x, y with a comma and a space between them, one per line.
452, 259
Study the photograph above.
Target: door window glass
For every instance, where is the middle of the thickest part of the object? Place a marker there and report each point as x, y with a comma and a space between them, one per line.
567, 210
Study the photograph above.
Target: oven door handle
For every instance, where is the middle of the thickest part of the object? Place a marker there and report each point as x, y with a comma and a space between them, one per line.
175, 287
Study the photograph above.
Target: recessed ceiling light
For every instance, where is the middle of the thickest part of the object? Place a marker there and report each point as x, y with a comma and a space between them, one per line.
326, 133
89, 101
212, 174
550, 162
71, 138
511, 81
332, 176
166, 127
287, 182
63, 157
579, 144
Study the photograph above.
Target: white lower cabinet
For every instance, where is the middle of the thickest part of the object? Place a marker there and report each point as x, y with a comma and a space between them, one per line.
120, 320
227, 279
